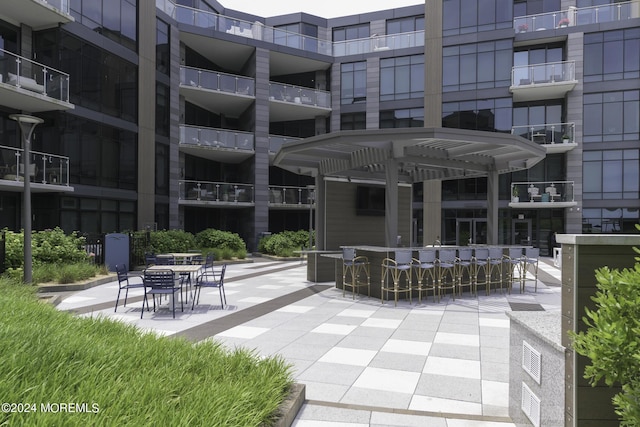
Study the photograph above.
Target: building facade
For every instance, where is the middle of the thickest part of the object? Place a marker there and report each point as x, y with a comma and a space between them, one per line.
168, 115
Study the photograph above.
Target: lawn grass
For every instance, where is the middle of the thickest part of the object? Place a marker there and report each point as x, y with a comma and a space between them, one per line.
130, 377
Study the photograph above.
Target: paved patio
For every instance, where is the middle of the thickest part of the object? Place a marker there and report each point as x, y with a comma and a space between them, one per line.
363, 363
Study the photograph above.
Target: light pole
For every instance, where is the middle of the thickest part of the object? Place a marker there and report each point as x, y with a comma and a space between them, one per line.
27, 125
311, 195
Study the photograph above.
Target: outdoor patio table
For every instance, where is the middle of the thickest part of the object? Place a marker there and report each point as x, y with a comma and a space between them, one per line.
181, 257
191, 270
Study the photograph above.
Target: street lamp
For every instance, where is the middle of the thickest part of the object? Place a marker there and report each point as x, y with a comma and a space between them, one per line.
311, 196
27, 125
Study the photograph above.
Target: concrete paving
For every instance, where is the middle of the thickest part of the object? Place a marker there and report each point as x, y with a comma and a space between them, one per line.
363, 363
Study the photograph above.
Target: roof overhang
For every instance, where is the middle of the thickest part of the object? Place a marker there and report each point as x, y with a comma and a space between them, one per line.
420, 154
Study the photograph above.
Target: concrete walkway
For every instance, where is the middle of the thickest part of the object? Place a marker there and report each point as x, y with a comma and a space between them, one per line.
363, 363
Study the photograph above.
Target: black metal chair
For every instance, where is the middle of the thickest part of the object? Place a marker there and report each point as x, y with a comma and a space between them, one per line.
125, 283
210, 279
149, 259
161, 282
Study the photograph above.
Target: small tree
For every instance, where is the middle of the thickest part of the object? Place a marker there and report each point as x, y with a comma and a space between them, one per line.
612, 340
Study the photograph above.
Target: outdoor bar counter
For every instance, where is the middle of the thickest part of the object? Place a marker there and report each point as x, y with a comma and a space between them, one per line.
376, 254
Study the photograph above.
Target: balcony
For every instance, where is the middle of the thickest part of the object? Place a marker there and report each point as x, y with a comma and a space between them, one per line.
377, 43
541, 195
30, 86
221, 194
283, 197
276, 141
224, 145
574, 16
289, 102
48, 173
38, 14
555, 137
217, 91
537, 82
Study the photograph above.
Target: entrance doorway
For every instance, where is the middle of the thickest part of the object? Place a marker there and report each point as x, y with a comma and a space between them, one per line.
521, 232
471, 231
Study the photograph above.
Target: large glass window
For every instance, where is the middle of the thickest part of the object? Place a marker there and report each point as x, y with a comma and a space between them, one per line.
162, 109
402, 78
9, 37
493, 115
351, 32
353, 121
612, 116
610, 220
611, 174
97, 215
298, 35
612, 55
353, 83
477, 66
404, 118
163, 50
472, 16
115, 19
405, 25
162, 168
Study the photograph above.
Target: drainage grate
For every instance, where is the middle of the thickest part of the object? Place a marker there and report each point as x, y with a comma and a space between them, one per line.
530, 405
525, 306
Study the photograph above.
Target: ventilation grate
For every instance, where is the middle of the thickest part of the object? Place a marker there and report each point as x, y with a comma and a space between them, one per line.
530, 405
531, 361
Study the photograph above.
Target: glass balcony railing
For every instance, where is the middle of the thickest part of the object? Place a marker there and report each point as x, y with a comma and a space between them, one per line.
223, 192
26, 74
378, 43
213, 80
44, 168
578, 16
548, 133
550, 72
542, 191
216, 138
299, 95
259, 31
61, 5
276, 141
284, 195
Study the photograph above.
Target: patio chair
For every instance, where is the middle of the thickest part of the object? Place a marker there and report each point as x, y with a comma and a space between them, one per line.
425, 266
495, 268
354, 266
210, 279
481, 265
161, 282
446, 271
515, 261
531, 256
464, 264
392, 271
149, 259
125, 282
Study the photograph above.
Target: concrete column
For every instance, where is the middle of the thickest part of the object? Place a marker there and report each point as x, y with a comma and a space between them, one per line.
391, 204
320, 213
492, 208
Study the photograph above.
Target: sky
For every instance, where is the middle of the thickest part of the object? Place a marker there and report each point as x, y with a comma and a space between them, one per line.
321, 8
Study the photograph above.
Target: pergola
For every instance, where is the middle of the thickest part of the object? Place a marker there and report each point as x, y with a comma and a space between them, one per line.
410, 155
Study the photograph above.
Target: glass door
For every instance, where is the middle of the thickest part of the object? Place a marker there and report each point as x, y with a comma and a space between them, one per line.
471, 231
521, 232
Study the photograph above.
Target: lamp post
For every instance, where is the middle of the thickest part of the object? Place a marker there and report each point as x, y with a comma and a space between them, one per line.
27, 124
311, 195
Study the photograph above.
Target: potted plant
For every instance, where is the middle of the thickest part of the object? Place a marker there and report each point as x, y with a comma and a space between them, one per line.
514, 194
523, 28
565, 139
564, 22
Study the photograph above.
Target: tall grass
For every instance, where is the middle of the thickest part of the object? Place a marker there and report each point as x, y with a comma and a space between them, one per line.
132, 378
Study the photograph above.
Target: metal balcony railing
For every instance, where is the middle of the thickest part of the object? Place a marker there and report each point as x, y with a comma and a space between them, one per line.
549, 72
216, 138
214, 80
290, 195
547, 133
223, 192
299, 95
276, 141
577, 16
26, 74
542, 191
44, 168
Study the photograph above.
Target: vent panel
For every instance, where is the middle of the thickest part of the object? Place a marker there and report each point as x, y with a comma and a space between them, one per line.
530, 405
531, 361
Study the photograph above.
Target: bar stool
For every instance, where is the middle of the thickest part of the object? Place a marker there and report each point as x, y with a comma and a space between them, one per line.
425, 266
494, 275
531, 256
354, 266
480, 264
515, 261
464, 265
446, 268
392, 272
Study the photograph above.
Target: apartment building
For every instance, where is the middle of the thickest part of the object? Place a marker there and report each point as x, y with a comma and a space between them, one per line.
162, 114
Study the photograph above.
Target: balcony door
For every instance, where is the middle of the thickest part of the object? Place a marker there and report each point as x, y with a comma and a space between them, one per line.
471, 231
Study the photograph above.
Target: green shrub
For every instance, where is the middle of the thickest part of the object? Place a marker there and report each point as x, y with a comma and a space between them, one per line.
164, 241
48, 247
283, 244
212, 238
59, 273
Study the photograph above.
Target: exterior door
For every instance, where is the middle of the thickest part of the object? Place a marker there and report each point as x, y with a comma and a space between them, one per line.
521, 232
471, 231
